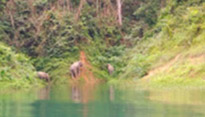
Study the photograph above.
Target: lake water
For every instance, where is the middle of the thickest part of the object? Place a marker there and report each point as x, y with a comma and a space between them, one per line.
102, 101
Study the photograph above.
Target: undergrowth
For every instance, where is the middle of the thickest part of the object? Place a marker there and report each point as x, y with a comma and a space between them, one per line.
16, 70
180, 31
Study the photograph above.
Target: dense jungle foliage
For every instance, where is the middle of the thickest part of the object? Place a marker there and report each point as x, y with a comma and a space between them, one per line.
16, 70
50, 34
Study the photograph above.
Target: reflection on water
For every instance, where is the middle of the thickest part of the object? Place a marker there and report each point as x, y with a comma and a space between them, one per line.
75, 94
82, 93
44, 93
102, 101
188, 97
111, 93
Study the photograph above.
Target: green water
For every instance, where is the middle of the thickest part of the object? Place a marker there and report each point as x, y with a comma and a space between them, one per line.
102, 101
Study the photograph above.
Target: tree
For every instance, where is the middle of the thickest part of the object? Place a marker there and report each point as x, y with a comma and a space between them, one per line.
82, 2
163, 3
119, 11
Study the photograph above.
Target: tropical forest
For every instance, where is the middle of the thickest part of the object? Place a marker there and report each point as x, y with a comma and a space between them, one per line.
102, 58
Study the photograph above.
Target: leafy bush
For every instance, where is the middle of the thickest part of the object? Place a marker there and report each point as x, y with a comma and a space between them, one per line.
16, 68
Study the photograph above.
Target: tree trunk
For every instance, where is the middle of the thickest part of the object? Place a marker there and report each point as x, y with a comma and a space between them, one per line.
119, 11
163, 3
82, 2
97, 7
68, 4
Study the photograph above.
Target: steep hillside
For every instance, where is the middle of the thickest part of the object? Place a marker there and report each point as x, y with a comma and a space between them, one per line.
173, 52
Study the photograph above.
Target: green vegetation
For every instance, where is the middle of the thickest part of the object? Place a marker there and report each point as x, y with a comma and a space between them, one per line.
172, 53
53, 36
15, 69
160, 41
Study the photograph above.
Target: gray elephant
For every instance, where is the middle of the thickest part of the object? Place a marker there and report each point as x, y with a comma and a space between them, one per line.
110, 68
44, 76
75, 69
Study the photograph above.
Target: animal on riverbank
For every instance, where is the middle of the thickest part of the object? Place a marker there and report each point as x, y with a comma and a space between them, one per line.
75, 69
110, 68
44, 76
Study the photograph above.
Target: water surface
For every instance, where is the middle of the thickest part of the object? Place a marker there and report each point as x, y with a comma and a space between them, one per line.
102, 101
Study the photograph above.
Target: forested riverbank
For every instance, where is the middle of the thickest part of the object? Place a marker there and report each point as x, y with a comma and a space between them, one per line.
151, 42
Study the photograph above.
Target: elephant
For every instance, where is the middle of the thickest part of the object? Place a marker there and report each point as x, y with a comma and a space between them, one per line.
75, 69
110, 68
43, 75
